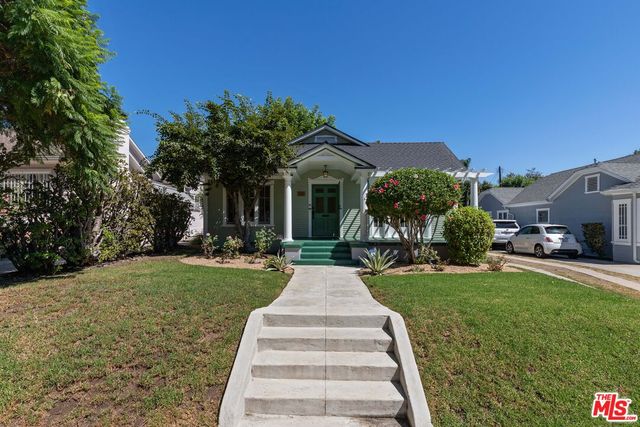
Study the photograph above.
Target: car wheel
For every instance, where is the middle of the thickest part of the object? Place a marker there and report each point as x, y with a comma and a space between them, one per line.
509, 248
539, 251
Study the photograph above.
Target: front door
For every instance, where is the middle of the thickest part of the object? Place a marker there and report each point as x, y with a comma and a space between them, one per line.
325, 220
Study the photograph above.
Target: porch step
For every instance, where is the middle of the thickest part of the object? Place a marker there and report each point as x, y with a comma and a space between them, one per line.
324, 243
298, 320
339, 262
324, 339
327, 249
325, 255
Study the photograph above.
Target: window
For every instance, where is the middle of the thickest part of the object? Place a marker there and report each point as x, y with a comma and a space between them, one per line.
264, 205
534, 230
229, 209
592, 184
503, 214
263, 209
330, 139
542, 216
524, 230
621, 221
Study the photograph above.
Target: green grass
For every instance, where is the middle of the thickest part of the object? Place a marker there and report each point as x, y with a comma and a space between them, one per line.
516, 348
143, 342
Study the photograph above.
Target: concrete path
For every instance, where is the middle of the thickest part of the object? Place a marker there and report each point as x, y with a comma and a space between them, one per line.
326, 354
578, 267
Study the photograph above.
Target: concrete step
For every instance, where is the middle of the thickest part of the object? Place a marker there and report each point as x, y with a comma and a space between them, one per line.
339, 262
348, 366
321, 320
324, 339
318, 397
302, 421
325, 255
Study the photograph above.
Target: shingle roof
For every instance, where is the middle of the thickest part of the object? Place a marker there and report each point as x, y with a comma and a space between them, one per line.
503, 194
627, 168
393, 155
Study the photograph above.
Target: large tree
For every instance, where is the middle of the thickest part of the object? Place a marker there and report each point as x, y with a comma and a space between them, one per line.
517, 180
233, 142
52, 98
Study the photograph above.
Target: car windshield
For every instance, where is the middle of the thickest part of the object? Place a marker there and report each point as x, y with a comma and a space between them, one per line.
507, 224
555, 229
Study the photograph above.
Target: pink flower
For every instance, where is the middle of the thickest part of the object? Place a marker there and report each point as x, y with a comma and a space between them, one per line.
423, 197
423, 217
381, 190
417, 212
456, 186
386, 185
396, 205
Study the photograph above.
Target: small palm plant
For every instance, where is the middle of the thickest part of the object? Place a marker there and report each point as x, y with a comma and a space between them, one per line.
277, 263
377, 262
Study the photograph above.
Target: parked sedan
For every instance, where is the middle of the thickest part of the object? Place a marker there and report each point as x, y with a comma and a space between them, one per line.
545, 239
505, 228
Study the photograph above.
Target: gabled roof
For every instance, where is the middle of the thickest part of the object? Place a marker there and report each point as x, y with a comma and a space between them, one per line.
625, 168
502, 194
330, 129
318, 148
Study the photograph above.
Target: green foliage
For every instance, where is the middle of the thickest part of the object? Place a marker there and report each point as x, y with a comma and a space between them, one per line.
209, 245
515, 180
231, 247
277, 263
264, 239
378, 262
234, 142
469, 233
171, 216
427, 255
594, 236
109, 247
496, 263
53, 98
410, 200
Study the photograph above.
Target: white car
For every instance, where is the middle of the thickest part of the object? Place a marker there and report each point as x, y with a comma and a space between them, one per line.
545, 239
505, 228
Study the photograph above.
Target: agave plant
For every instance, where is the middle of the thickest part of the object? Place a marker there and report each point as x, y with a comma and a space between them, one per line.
277, 263
377, 262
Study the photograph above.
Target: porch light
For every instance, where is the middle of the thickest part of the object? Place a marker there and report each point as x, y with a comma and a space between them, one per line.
325, 172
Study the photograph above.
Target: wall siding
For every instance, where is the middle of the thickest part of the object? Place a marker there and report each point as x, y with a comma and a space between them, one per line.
492, 205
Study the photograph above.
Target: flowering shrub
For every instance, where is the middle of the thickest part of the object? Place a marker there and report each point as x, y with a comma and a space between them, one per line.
264, 239
209, 245
231, 247
410, 200
469, 233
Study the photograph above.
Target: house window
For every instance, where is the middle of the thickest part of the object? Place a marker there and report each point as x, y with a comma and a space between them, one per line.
329, 139
263, 209
503, 214
621, 221
229, 208
542, 216
592, 184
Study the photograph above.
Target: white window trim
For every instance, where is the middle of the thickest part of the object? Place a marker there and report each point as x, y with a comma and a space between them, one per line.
505, 211
548, 215
241, 207
616, 222
586, 180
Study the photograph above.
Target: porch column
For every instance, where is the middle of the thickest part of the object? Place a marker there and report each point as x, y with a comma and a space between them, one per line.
364, 218
474, 192
288, 237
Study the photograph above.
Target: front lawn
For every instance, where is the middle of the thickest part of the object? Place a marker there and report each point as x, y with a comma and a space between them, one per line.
516, 348
143, 342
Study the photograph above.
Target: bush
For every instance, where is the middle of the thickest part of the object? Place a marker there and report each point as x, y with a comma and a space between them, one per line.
231, 247
377, 262
410, 200
209, 245
594, 236
496, 263
277, 263
171, 217
469, 234
264, 239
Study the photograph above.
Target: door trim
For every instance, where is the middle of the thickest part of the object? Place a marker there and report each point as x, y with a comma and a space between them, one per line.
322, 180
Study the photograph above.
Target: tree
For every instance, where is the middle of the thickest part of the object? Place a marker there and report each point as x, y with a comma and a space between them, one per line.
410, 200
233, 142
516, 180
52, 98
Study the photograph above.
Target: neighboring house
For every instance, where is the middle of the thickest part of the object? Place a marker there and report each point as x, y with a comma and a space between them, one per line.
494, 200
322, 194
601, 192
42, 168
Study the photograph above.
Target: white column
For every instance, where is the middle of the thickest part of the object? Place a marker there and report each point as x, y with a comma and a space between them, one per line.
474, 192
288, 223
364, 218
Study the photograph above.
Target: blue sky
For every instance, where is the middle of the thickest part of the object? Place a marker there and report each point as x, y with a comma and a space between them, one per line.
542, 84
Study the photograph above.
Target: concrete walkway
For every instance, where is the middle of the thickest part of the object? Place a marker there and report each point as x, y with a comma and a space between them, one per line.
325, 353
578, 267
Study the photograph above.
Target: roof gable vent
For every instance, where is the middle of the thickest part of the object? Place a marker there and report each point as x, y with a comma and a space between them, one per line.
328, 139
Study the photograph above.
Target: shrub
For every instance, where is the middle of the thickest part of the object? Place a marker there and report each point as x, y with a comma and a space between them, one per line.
469, 233
277, 263
231, 247
410, 200
209, 245
594, 236
109, 247
264, 239
427, 255
496, 263
377, 262
171, 216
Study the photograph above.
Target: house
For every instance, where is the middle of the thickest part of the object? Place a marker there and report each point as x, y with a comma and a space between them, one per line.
134, 160
317, 204
494, 200
601, 192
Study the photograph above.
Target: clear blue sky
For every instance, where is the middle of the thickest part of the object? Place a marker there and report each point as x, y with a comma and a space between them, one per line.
545, 84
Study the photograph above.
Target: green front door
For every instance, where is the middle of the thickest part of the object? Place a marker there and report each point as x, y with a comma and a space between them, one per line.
325, 221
